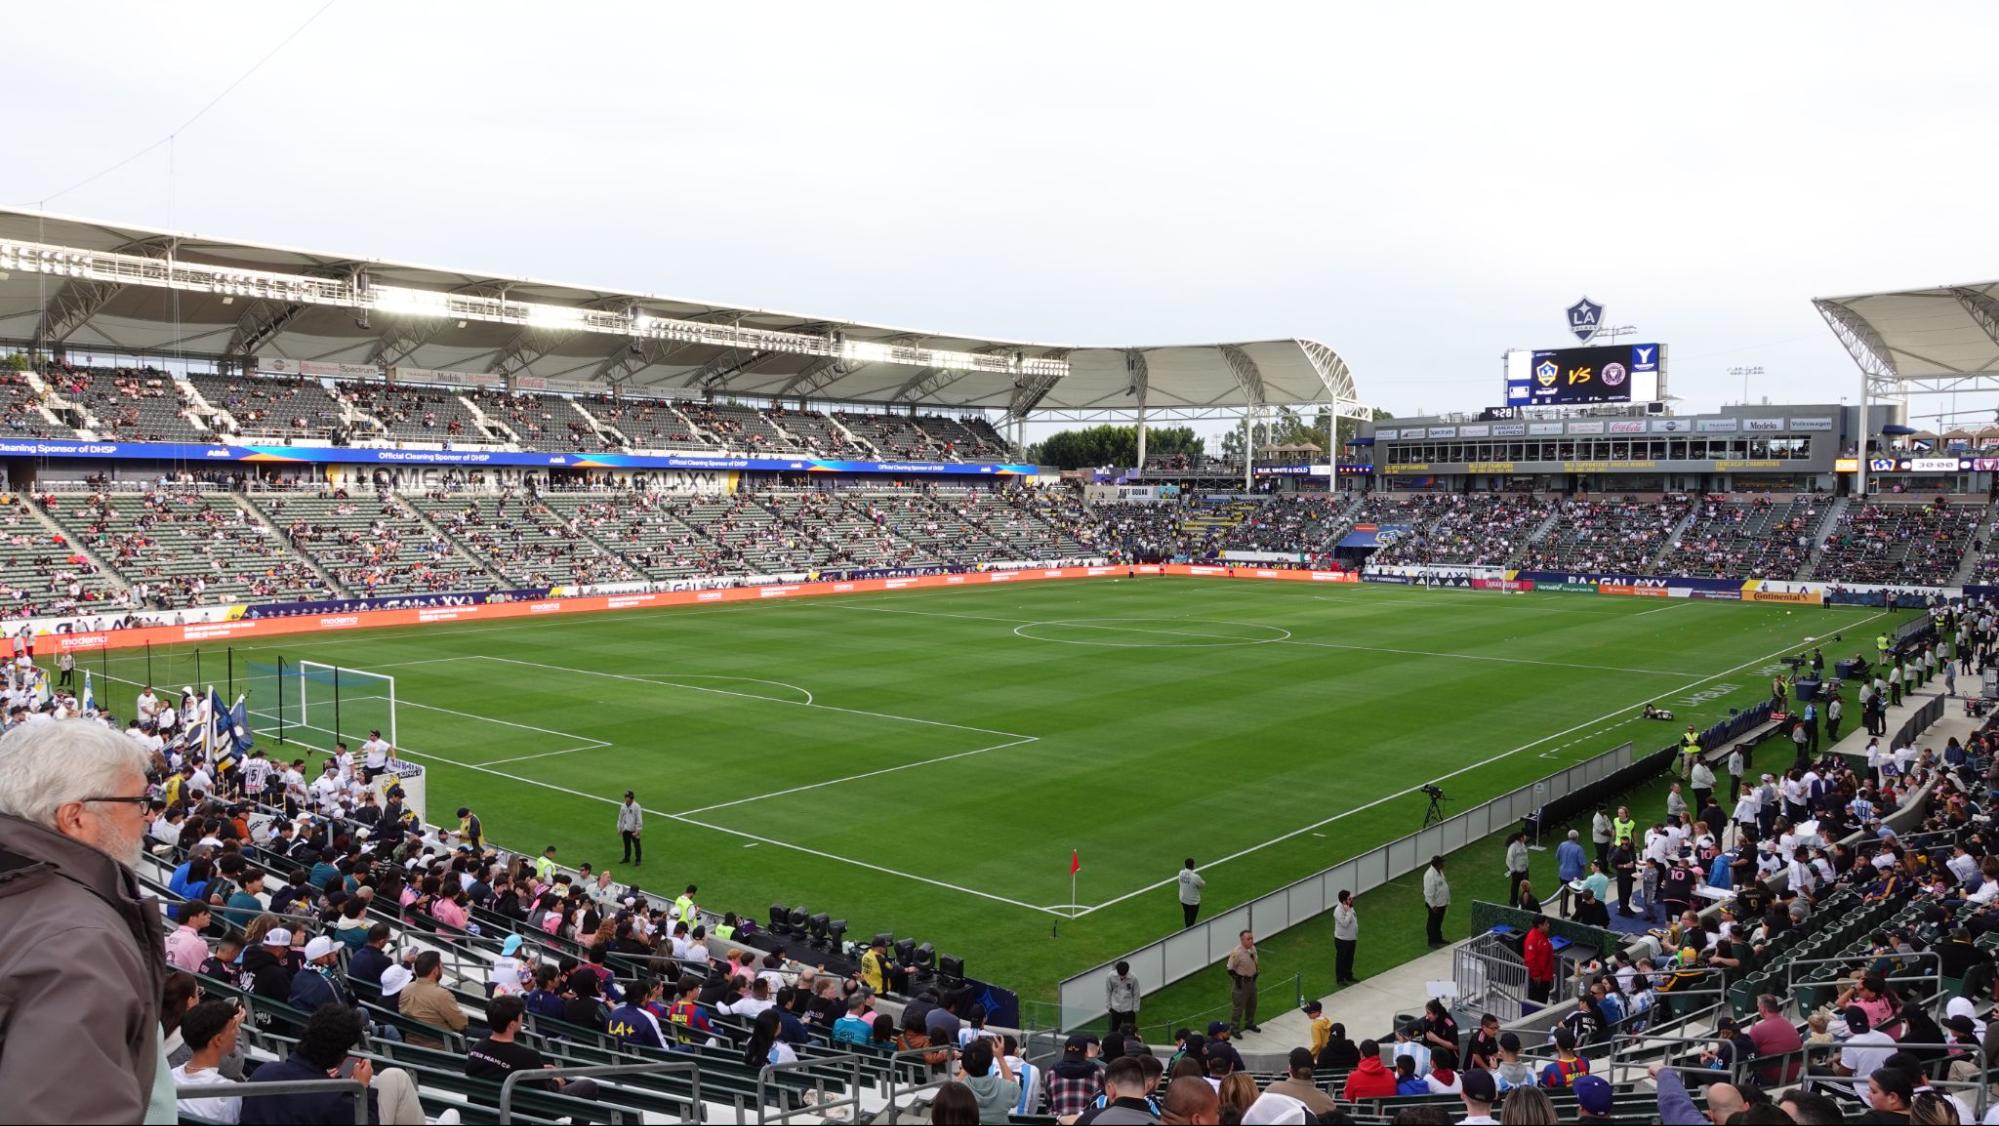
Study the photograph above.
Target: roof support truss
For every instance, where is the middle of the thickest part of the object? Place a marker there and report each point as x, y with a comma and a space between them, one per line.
79, 299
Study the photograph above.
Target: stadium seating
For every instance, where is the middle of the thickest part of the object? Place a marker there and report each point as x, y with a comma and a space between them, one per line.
540, 422
127, 404
1475, 528
421, 414
646, 533
1887, 541
739, 427
40, 574
179, 548
272, 406
820, 434
1621, 535
894, 436
1760, 537
527, 542
375, 544
647, 424
21, 411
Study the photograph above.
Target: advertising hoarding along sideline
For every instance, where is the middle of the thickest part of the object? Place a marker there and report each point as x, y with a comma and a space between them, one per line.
245, 628
345, 455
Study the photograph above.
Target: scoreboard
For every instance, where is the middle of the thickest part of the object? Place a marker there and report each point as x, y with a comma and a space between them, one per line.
1617, 373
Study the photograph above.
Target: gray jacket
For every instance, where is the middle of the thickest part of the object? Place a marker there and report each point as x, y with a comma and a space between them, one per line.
1121, 993
81, 961
630, 818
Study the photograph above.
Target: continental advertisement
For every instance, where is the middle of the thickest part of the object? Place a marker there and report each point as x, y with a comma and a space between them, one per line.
1788, 597
246, 628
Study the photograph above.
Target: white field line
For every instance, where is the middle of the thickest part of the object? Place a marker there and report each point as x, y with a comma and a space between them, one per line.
503, 722
593, 745
666, 683
858, 777
1453, 774
1669, 606
747, 836
1275, 641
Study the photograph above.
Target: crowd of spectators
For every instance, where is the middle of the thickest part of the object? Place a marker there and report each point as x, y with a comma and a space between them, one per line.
1762, 537
1883, 542
1463, 528
1608, 534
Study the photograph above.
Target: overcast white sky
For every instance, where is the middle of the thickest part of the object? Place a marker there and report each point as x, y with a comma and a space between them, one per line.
1421, 186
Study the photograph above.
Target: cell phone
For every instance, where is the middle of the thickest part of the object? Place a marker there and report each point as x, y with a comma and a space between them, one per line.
347, 1067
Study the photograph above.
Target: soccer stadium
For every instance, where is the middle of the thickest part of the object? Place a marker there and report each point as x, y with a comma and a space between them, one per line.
438, 695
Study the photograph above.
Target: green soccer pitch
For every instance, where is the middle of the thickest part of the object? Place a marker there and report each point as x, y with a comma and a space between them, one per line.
924, 762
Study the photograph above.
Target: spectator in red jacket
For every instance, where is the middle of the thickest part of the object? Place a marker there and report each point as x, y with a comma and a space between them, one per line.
1539, 953
1371, 1079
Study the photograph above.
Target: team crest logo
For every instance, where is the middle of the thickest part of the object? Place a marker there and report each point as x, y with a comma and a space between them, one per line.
1585, 317
1546, 373
1613, 374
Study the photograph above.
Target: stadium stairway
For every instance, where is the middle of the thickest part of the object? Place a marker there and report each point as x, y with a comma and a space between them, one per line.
328, 575
482, 558
1824, 532
1967, 569
1540, 532
1672, 543
111, 574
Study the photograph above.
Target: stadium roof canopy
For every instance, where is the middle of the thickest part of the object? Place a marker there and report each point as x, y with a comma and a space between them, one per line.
1920, 340
90, 286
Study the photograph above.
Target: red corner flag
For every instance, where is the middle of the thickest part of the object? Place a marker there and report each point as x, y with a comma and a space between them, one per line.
1075, 862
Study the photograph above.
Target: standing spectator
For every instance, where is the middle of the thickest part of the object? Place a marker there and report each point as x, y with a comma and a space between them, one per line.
1571, 864
1599, 835
330, 1033
1191, 884
1516, 865
80, 1032
1121, 1000
66, 665
1242, 983
1436, 897
1346, 936
1075, 1079
631, 819
1702, 783
1539, 954
469, 830
1835, 711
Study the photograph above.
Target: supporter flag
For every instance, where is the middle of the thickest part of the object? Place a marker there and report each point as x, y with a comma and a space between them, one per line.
216, 738
89, 695
239, 725
43, 694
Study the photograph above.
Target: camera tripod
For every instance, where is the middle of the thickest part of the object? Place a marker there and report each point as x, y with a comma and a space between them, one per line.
1435, 814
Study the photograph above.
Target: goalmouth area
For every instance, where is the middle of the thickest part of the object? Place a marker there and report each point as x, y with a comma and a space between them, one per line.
926, 761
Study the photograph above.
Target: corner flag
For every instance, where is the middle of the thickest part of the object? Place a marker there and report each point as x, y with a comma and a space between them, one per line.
1075, 862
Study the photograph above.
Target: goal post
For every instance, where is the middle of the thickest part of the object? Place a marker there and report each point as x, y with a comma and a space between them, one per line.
345, 703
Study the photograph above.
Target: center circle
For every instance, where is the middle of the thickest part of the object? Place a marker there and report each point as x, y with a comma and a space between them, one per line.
1151, 633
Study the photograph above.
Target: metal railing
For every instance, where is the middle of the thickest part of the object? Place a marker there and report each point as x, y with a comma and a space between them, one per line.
1794, 1066
651, 1068
1490, 977
287, 1087
1292, 988
1186, 952
819, 1071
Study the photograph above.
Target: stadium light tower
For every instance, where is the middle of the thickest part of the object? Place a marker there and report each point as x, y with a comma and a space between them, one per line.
1745, 373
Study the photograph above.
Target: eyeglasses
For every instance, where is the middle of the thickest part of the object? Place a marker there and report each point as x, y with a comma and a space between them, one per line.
139, 800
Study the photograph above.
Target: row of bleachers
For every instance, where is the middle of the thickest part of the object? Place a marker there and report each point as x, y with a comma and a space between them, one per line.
21, 413
180, 548
647, 424
1887, 542
529, 544
1608, 534
646, 533
375, 544
420, 414
895, 436
128, 404
540, 422
272, 406
1479, 529
41, 573
739, 427
1762, 537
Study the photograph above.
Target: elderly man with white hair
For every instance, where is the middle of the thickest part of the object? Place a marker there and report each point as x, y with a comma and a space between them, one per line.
80, 949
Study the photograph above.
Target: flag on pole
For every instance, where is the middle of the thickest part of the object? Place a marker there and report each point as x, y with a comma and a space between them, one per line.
239, 724
1075, 862
89, 696
42, 692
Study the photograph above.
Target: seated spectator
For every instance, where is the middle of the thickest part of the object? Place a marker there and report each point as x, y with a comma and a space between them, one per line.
209, 1033
330, 1034
424, 999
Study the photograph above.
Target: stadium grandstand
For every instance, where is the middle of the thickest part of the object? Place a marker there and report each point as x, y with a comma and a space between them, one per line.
789, 583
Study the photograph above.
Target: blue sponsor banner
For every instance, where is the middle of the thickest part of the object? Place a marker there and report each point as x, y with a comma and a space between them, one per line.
343, 455
850, 573
1660, 581
392, 602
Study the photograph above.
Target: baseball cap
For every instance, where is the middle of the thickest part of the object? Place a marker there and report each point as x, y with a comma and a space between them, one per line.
1961, 1023
1593, 1094
512, 944
278, 936
319, 948
1217, 1027
1076, 1043
1479, 1084
394, 978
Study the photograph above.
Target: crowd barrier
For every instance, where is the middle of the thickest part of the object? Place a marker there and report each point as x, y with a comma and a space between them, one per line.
1186, 952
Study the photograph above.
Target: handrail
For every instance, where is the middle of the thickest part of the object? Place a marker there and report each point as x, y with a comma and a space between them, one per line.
894, 1111
767, 1076
693, 1071
284, 1087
